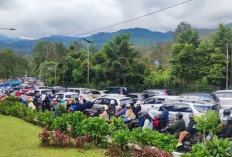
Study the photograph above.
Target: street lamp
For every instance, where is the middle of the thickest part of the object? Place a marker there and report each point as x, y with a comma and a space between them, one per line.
88, 42
10, 29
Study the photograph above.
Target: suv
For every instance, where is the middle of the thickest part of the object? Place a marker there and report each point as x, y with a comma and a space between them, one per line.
155, 92
119, 100
118, 90
210, 98
187, 108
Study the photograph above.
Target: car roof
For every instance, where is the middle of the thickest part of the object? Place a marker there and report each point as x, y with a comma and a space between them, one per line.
155, 90
189, 103
115, 97
195, 94
223, 91
66, 93
164, 96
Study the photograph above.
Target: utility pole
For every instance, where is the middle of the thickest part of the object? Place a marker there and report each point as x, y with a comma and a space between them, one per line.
88, 42
231, 66
227, 64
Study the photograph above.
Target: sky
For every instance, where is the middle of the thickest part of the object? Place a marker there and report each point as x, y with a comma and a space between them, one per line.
38, 18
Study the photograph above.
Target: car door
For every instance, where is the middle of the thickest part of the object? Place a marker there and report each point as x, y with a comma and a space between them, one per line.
148, 104
185, 109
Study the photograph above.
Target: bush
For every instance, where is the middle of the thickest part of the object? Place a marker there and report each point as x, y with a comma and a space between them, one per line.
55, 138
45, 119
122, 138
97, 128
117, 124
148, 137
13, 98
60, 109
151, 152
75, 122
80, 142
60, 123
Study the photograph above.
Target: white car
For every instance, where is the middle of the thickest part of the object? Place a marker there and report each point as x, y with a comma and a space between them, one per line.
186, 108
84, 93
119, 100
156, 101
42, 92
225, 97
66, 95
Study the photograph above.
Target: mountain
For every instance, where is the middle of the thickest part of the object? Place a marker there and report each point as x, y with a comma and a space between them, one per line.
139, 37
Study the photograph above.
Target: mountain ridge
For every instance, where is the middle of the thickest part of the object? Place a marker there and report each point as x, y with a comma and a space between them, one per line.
139, 37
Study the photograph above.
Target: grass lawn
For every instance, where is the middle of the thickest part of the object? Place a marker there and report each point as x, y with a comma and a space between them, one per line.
20, 139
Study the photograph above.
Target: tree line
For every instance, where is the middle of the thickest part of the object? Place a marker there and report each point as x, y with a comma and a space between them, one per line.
188, 60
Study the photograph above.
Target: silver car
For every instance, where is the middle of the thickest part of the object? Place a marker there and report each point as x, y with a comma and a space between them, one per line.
225, 97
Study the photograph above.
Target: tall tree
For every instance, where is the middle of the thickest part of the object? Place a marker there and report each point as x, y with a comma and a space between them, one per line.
180, 28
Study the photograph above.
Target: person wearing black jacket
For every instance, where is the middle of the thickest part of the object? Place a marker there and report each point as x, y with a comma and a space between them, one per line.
228, 129
189, 130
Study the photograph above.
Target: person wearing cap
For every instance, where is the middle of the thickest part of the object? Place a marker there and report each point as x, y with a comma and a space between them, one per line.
189, 130
129, 114
178, 126
104, 114
228, 129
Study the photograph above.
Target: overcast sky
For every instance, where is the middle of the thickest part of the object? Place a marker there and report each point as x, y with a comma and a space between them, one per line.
37, 18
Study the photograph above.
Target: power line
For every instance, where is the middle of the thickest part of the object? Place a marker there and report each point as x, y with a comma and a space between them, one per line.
135, 18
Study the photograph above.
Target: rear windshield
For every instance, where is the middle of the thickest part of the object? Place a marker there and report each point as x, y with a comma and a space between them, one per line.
202, 108
224, 94
169, 92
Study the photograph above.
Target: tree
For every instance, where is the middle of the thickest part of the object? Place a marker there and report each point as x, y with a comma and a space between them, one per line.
180, 28
12, 64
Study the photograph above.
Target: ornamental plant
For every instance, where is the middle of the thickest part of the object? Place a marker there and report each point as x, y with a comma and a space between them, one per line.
60, 123
122, 138
97, 128
117, 124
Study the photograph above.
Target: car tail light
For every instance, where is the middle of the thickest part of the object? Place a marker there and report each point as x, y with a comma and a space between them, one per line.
166, 93
80, 97
121, 93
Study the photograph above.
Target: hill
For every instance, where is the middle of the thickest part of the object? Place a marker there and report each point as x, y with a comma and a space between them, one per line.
139, 37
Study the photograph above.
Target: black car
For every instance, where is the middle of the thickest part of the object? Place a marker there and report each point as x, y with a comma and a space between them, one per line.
118, 90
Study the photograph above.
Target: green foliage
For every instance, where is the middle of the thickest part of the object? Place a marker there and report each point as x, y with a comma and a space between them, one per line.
152, 138
208, 122
60, 109
117, 124
97, 128
214, 147
122, 138
45, 119
60, 123
12, 64
12, 98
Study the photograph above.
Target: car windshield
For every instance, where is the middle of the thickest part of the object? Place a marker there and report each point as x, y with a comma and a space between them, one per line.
126, 101
224, 94
202, 108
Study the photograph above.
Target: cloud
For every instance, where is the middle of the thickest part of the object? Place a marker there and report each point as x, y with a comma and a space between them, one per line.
34, 19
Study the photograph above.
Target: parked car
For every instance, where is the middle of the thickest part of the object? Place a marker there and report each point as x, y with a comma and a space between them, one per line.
118, 90
136, 96
42, 92
225, 97
84, 93
156, 101
96, 94
212, 98
119, 100
197, 108
156, 92
66, 95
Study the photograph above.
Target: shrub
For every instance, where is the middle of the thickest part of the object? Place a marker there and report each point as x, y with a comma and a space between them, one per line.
45, 137
12, 98
115, 151
122, 138
60, 123
45, 119
60, 109
148, 137
117, 124
151, 152
80, 142
74, 120
55, 138
97, 128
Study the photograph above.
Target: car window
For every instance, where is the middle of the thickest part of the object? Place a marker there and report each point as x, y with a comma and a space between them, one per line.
183, 108
67, 96
224, 94
202, 108
115, 102
71, 90
168, 107
133, 96
159, 100
96, 92
43, 92
126, 101
228, 95
149, 101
